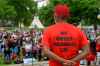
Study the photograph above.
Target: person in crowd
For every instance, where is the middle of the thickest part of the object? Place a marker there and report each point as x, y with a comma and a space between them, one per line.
1, 42
91, 58
98, 44
28, 45
7, 50
98, 50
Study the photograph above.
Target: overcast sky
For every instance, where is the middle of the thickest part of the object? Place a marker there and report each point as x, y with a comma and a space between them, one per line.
41, 3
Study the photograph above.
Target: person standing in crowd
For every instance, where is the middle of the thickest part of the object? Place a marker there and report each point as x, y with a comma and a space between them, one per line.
92, 54
98, 44
91, 58
15, 48
98, 50
1, 42
19, 42
61, 42
7, 50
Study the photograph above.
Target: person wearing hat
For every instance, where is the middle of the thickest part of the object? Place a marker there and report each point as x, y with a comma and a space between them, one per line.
62, 41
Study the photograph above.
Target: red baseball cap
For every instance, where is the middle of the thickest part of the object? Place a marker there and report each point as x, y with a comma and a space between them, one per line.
62, 10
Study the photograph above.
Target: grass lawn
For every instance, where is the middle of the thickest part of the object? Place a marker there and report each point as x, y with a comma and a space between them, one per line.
4, 65
2, 61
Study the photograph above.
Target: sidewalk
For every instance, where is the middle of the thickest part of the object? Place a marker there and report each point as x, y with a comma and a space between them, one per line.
42, 63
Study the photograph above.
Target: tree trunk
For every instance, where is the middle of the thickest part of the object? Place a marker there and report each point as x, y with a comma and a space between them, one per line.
95, 28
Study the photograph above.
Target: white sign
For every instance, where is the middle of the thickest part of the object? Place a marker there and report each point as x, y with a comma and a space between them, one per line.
29, 60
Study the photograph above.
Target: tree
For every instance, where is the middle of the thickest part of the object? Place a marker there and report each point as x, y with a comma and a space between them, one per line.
80, 10
17, 12
25, 10
7, 12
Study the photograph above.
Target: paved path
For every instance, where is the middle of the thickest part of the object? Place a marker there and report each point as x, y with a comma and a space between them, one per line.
43, 63
34, 65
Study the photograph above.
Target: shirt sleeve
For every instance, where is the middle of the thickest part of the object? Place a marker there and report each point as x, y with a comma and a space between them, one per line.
83, 40
46, 38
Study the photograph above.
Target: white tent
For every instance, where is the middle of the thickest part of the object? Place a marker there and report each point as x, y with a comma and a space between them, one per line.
36, 23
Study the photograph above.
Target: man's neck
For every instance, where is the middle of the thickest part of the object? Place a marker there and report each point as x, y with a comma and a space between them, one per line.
60, 21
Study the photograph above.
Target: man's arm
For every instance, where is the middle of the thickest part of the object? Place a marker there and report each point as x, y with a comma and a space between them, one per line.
83, 46
85, 51
47, 52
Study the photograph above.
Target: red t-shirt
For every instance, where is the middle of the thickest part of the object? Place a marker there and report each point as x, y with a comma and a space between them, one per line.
64, 40
98, 47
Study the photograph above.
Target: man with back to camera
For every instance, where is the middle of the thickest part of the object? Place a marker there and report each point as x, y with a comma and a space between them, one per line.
61, 42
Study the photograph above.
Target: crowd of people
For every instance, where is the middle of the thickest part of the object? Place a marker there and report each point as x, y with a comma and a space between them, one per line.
14, 46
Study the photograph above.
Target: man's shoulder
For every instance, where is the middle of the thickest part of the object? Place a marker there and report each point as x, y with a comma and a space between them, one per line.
50, 27
74, 27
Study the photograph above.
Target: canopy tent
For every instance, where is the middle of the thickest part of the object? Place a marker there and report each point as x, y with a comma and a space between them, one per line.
36, 23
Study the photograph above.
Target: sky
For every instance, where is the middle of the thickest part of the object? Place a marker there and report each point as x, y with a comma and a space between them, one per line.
41, 3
